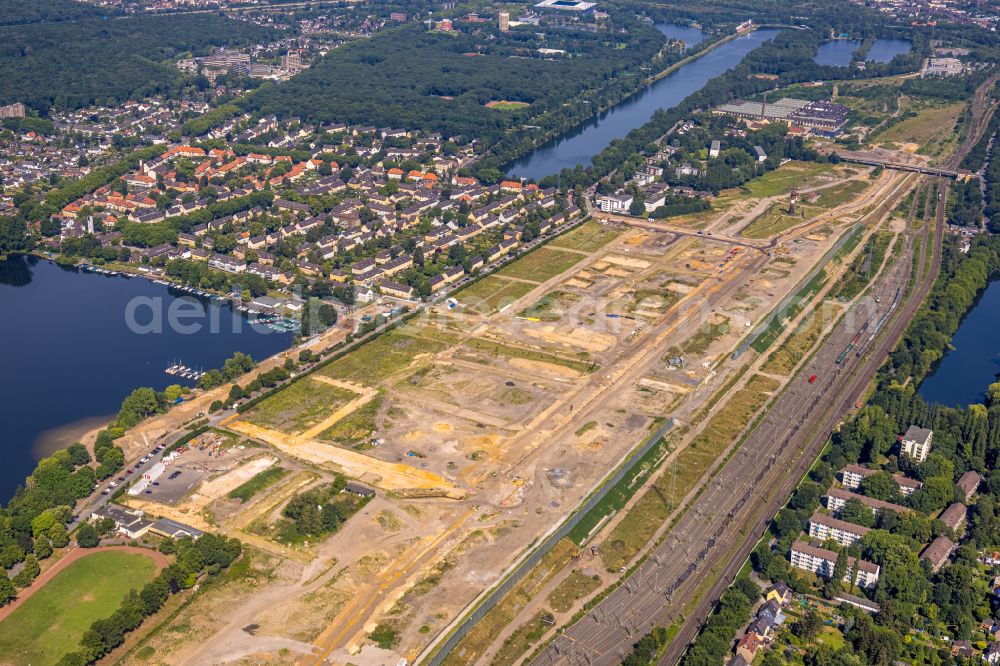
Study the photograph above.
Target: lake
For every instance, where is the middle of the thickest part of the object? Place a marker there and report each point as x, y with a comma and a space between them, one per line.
837, 53
964, 372
580, 144
75, 344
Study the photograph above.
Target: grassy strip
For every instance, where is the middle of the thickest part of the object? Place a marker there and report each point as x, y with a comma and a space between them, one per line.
777, 323
258, 483
498, 349
620, 493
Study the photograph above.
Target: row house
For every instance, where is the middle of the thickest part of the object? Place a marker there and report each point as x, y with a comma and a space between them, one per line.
396, 289
269, 273
439, 282
398, 264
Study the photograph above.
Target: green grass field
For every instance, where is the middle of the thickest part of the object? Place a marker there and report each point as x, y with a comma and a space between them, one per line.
52, 621
385, 355
497, 349
542, 264
299, 406
355, 428
258, 483
776, 220
492, 293
507, 105
784, 178
587, 237
550, 307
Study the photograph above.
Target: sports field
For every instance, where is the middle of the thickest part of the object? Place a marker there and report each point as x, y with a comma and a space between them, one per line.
51, 622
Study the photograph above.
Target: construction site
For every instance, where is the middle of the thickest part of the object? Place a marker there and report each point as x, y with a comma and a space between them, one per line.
486, 419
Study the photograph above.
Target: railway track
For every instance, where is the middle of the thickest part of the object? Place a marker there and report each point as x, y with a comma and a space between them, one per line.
668, 587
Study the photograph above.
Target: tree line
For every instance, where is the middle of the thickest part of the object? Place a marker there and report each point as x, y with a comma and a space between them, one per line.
209, 555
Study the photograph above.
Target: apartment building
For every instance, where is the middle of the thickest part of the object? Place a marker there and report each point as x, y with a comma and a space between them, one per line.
823, 528
916, 443
822, 562
852, 475
837, 498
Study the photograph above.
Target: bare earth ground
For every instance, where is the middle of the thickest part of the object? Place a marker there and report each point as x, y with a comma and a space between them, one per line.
492, 424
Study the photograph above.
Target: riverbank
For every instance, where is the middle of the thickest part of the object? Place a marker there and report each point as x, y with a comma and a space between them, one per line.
669, 88
971, 363
78, 343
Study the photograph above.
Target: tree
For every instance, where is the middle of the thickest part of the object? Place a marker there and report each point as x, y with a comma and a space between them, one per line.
936, 493
859, 514
173, 392
29, 571
637, 207
881, 486
7, 591
58, 536
807, 627
78, 454
327, 315
138, 405
154, 594
87, 537
43, 549
13, 235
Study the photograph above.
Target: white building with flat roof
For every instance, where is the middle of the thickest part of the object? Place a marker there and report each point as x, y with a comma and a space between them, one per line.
916, 443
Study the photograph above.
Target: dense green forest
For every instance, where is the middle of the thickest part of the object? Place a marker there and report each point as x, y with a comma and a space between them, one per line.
19, 12
72, 64
408, 77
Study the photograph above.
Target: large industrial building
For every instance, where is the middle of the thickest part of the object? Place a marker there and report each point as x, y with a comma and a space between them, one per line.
823, 118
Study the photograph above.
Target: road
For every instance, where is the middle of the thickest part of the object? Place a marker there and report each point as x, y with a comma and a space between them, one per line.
656, 594
716, 534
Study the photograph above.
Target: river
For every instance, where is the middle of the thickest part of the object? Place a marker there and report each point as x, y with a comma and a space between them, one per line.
580, 144
69, 354
962, 375
838, 53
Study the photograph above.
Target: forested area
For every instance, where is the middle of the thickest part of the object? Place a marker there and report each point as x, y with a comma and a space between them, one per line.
72, 64
20, 12
965, 203
409, 77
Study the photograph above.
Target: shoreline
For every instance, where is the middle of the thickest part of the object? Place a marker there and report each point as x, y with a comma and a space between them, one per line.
649, 81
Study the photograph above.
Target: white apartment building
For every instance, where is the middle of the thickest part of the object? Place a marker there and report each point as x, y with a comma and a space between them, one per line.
837, 498
917, 443
822, 562
844, 533
852, 476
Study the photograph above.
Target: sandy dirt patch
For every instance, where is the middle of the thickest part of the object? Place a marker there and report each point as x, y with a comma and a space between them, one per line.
544, 368
388, 476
